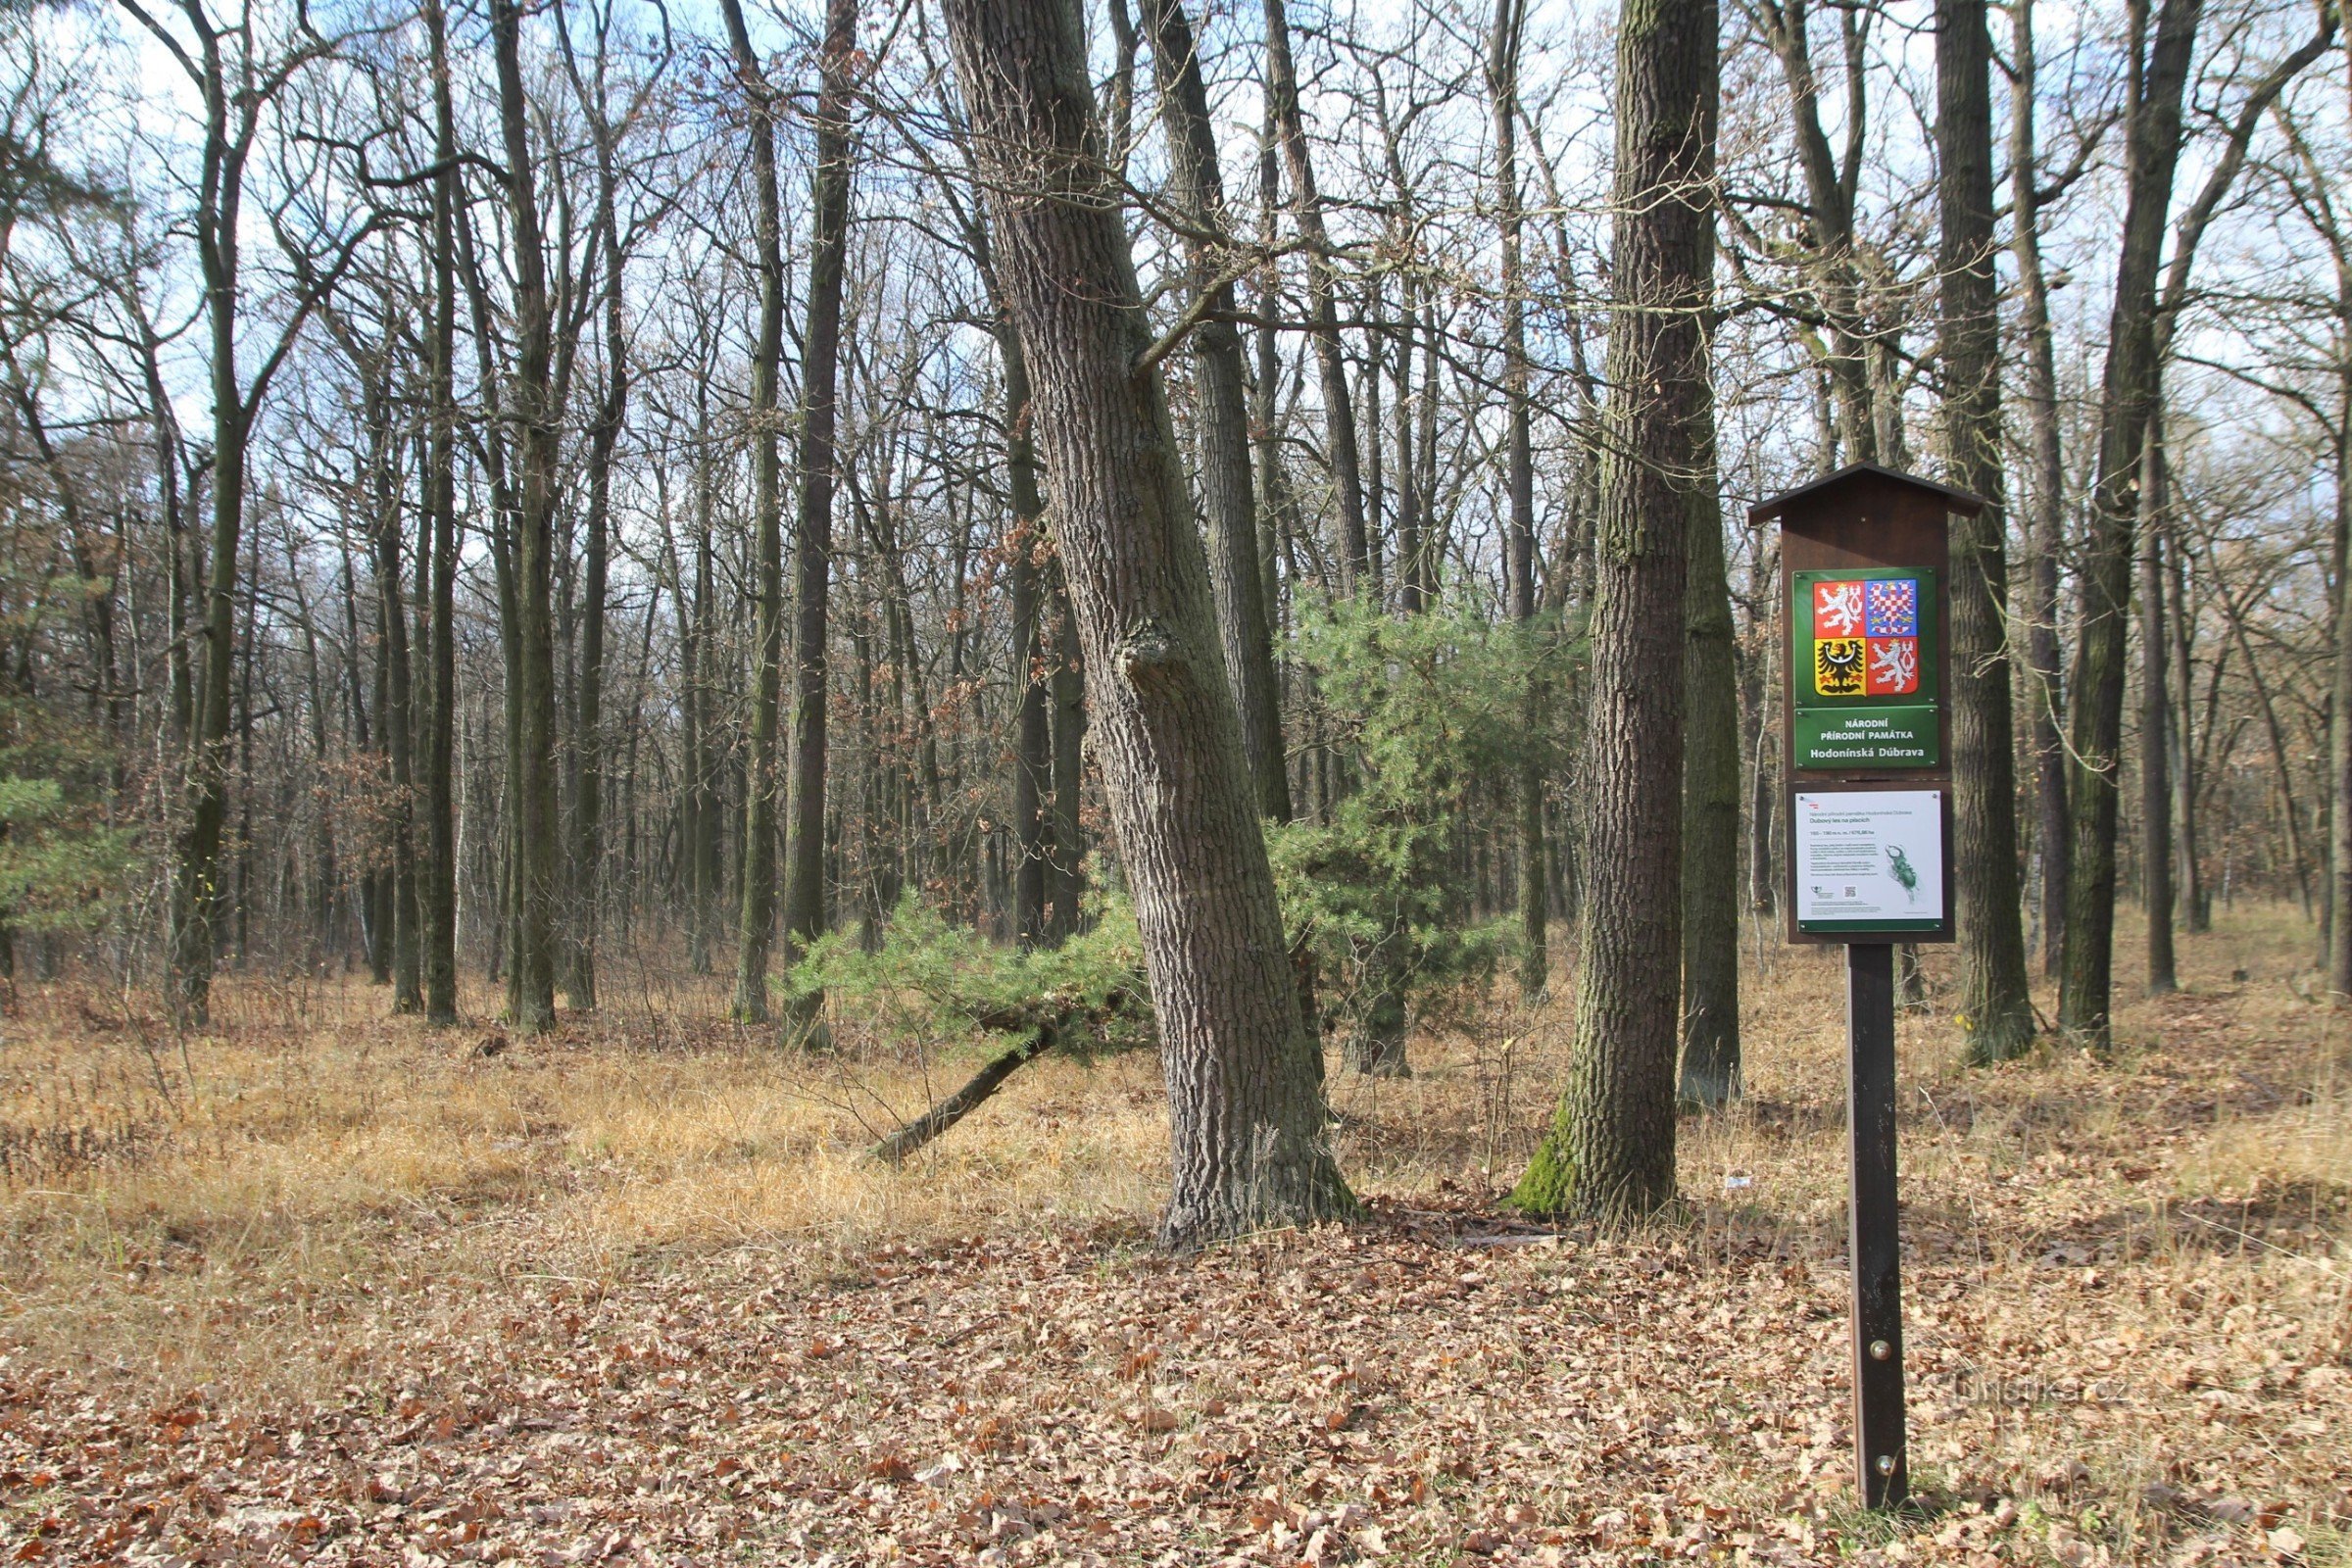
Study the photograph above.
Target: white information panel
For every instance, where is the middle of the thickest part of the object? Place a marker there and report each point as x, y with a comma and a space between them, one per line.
1869, 860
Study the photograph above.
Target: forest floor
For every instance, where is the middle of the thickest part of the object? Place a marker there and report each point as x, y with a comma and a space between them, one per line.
321, 1287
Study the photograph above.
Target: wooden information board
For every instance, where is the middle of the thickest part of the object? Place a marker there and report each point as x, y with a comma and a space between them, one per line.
1865, 689
1866, 746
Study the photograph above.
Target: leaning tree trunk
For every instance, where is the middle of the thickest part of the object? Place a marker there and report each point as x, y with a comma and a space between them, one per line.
2128, 397
1610, 1150
812, 538
757, 928
1222, 386
1993, 990
1245, 1112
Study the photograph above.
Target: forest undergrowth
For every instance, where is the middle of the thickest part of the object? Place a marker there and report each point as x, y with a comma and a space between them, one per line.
318, 1286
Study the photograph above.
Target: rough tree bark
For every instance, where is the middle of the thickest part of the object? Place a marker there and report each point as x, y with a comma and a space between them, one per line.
1068, 886
1610, 1149
1245, 1112
1993, 989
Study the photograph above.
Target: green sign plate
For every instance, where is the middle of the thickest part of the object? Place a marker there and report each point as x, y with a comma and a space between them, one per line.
1846, 739
1862, 649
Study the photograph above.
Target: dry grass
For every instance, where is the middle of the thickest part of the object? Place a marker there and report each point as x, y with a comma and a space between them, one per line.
2130, 1280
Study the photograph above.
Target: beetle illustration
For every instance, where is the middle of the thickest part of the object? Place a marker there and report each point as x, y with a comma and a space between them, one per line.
1903, 872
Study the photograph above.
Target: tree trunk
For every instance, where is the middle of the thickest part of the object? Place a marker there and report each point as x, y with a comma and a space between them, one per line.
1519, 481
2196, 901
2340, 709
1033, 759
2047, 523
2126, 400
2155, 722
1994, 999
536, 819
438, 887
196, 856
1197, 191
1246, 1115
1339, 404
1830, 191
587, 749
1070, 770
813, 539
1610, 1149
757, 927
396, 710
1411, 566
1710, 803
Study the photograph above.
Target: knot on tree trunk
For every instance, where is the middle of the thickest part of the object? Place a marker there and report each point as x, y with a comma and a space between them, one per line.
1151, 651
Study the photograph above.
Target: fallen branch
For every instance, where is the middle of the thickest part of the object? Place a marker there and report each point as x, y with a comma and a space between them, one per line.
1044, 1027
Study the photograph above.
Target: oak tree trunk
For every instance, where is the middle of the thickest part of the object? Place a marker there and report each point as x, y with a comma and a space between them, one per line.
1994, 999
1245, 1112
1519, 481
1610, 1149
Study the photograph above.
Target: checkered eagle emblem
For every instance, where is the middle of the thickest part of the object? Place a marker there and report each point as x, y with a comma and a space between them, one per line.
1894, 607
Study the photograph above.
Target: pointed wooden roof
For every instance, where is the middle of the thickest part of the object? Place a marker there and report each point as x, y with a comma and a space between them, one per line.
1820, 489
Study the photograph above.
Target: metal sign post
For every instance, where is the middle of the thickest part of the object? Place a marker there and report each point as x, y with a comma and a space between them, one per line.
1866, 738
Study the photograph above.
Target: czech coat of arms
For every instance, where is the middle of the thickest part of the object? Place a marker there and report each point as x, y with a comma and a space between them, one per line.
1865, 637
